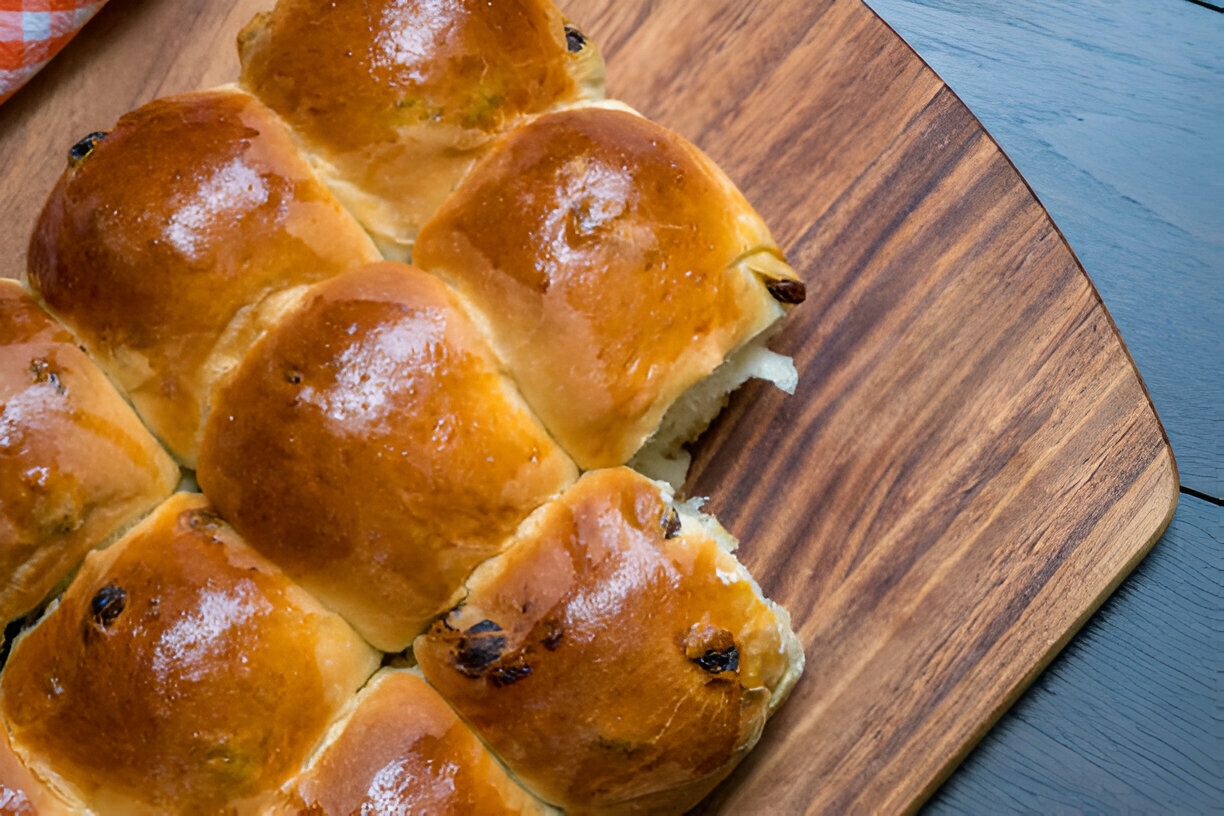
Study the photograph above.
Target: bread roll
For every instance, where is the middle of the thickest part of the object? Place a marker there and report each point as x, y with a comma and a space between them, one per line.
402, 750
76, 465
168, 245
23, 795
180, 673
370, 446
615, 657
394, 99
617, 267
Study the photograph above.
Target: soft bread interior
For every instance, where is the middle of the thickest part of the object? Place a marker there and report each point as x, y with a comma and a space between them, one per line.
663, 457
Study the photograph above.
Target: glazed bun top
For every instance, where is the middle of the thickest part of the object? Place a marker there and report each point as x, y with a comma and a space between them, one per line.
617, 266
615, 657
76, 465
180, 673
394, 98
169, 242
403, 750
370, 446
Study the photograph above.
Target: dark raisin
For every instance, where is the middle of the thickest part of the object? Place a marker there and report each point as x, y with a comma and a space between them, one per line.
671, 523
108, 605
293, 378
716, 662
575, 40
43, 374
479, 648
482, 628
553, 633
787, 291
80, 151
711, 648
503, 676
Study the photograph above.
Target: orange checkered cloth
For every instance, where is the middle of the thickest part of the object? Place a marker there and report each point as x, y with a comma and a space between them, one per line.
32, 32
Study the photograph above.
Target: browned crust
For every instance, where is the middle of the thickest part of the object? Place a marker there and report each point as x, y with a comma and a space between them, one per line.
164, 247
613, 665
371, 448
180, 672
76, 465
403, 750
614, 262
395, 100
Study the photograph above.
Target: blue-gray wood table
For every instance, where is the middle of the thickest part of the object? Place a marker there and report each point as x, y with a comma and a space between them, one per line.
1114, 113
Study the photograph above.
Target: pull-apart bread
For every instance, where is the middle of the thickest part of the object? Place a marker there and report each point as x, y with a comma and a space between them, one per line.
618, 268
400, 449
400, 749
171, 242
180, 673
616, 657
393, 101
76, 465
412, 458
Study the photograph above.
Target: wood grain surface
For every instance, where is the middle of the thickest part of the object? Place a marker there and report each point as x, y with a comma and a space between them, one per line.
971, 463
1112, 112
1127, 719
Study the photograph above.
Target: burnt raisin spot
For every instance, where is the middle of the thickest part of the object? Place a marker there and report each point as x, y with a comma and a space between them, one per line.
80, 151
108, 604
790, 292
575, 40
711, 648
479, 647
671, 523
484, 627
716, 662
503, 676
44, 374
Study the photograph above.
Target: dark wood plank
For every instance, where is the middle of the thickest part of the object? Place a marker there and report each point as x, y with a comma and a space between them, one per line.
971, 464
1113, 112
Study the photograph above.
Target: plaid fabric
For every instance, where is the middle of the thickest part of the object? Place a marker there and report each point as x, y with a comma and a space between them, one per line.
32, 32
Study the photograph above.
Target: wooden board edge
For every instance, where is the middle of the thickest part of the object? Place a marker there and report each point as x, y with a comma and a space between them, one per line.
1165, 470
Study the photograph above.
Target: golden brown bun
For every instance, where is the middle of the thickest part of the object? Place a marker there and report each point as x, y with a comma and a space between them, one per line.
617, 266
20, 793
170, 246
403, 750
615, 658
393, 100
76, 465
180, 673
370, 447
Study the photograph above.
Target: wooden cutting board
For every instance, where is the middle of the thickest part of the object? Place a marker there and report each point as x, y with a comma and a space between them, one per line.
971, 463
